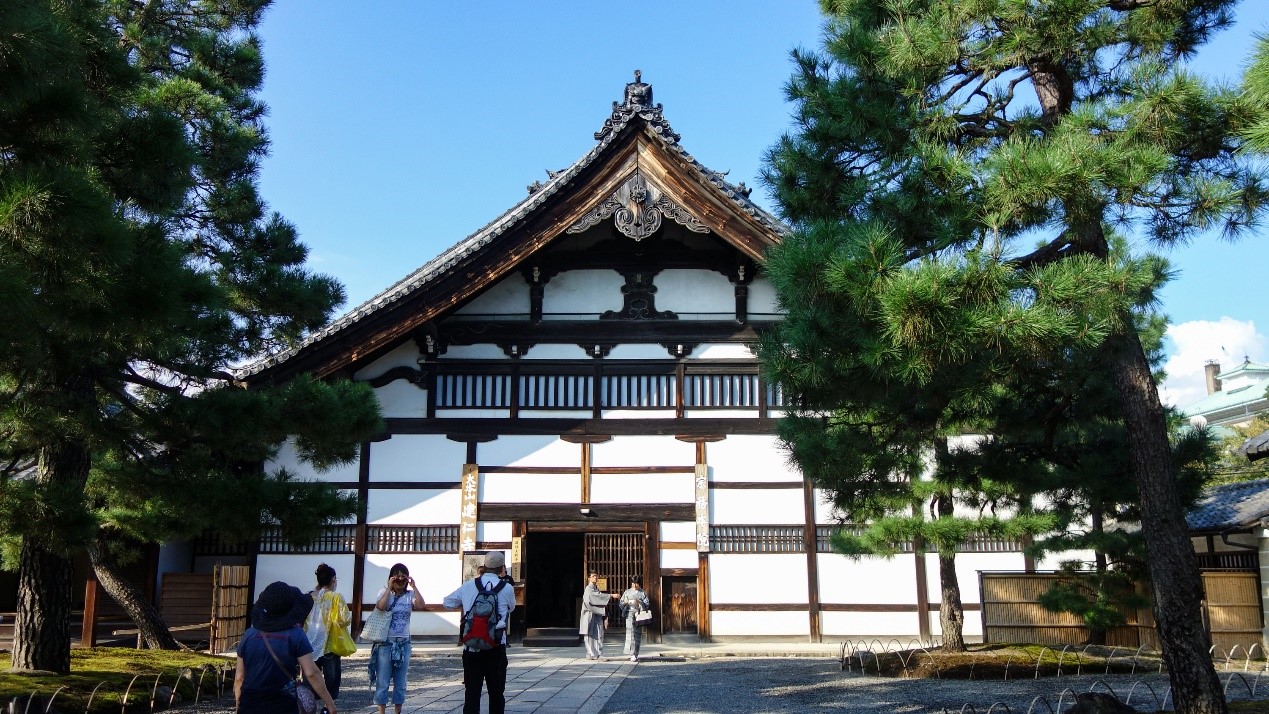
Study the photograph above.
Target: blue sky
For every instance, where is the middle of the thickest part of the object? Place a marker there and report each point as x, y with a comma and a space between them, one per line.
399, 128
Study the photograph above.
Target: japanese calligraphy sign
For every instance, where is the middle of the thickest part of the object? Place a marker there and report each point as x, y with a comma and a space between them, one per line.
702, 508
468, 505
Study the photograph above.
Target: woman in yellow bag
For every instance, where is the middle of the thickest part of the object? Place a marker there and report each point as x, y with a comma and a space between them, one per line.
327, 629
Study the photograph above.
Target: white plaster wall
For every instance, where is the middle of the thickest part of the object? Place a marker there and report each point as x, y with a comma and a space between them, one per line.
417, 457
494, 532
436, 576
643, 451
972, 629
720, 413
400, 398
529, 451
473, 413
967, 567
530, 488
750, 457
695, 293
405, 355
578, 293
642, 488
414, 506
737, 624
1053, 561
555, 352
825, 512
300, 570
679, 558
678, 531
477, 351
638, 351
509, 296
554, 414
869, 625
757, 578
868, 581
762, 300
637, 414
288, 459
723, 351
781, 506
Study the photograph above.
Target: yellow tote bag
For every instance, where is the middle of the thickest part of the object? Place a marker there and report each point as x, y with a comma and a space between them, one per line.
338, 641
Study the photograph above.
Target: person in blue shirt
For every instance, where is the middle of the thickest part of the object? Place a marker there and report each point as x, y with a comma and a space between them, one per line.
273, 651
486, 667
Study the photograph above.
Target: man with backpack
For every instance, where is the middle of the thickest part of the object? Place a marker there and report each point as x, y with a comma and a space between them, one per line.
486, 602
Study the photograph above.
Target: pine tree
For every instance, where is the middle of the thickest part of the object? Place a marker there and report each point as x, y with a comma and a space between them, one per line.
956, 177
138, 265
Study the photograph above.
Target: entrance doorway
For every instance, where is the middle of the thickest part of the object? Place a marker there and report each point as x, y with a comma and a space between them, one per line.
553, 579
556, 567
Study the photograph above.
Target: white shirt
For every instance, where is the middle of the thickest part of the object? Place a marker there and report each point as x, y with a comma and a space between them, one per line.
465, 596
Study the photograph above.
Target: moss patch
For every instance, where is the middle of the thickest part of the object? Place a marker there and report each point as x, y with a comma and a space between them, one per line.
998, 662
108, 674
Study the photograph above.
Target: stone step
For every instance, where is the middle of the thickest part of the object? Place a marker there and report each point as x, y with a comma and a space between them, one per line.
551, 637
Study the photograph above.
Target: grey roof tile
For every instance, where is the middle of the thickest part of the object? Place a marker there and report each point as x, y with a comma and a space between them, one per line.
1230, 505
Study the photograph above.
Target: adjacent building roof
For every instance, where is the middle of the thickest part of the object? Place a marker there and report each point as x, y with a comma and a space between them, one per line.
1256, 448
1230, 506
635, 114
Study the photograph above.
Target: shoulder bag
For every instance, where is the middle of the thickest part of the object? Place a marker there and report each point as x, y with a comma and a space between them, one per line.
643, 617
305, 698
375, 628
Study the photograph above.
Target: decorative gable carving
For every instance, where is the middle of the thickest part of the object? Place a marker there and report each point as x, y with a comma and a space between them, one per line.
637, 209
640, 298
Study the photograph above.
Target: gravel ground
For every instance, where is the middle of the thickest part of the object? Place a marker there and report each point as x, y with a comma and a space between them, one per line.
766, 686
762, 686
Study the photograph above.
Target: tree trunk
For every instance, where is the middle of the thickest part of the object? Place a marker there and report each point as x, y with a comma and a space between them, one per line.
1097, 635
951, 611
143, 614
1174, 573
41, 632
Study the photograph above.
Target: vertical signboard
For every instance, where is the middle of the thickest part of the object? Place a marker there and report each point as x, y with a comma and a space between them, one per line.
517, 559
702, 508
467, 515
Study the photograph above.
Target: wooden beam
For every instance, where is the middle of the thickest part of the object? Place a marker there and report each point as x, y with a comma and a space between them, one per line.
652, 574
585, 475
88, 627
811, 546
571, 512
702, 597
922, 589
571, 428
772, 485
359, 539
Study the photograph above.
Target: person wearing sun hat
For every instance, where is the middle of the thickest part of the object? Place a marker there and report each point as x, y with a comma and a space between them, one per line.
486, 667
273, 651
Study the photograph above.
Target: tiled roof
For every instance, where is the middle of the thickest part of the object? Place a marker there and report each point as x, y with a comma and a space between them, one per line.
622, 116
1227, 399
1231, 505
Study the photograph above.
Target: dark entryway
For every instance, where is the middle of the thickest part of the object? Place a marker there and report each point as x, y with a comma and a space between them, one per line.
553, 579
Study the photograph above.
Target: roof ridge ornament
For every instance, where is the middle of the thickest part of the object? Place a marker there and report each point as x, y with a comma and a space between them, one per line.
636, 209
637, 101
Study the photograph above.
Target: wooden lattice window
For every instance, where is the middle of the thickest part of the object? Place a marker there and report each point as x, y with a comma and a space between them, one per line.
615, 556
757, 539
333, 539
412, 539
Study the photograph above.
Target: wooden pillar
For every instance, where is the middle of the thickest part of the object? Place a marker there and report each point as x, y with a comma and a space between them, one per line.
811, 544
585, 472
702, 596
652, 576
1028, 561
359, 539
88, 633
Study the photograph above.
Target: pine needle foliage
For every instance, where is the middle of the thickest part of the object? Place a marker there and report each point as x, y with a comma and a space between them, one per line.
138, 267
956, 178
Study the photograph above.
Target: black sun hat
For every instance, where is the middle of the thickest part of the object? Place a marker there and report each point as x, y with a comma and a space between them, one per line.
280, 607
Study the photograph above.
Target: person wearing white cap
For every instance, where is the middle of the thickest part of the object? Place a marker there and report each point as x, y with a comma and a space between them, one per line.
486, 664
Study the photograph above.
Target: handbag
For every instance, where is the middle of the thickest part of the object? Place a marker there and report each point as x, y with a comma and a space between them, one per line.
375, 628
305, 697
643, 617
340, 643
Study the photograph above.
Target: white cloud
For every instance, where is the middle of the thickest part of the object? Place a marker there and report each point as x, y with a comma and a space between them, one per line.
1228, 341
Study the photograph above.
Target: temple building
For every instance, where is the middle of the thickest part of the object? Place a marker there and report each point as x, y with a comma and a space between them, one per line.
575, 384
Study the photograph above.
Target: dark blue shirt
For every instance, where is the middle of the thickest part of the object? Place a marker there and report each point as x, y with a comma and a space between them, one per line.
262, 673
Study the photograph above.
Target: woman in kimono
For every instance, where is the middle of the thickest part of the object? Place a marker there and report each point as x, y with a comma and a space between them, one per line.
634, 601
594, 610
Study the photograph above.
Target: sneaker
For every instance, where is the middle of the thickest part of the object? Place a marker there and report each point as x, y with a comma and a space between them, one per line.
634, 659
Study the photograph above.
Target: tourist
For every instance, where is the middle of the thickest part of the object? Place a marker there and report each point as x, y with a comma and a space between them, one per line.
273, 651
594, 610
390, 660
327, 629
634, 601
486, 667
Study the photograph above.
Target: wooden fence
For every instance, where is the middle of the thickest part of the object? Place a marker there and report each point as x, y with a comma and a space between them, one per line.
1012, 612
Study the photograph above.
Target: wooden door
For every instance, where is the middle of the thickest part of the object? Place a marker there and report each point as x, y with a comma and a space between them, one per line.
616, 557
